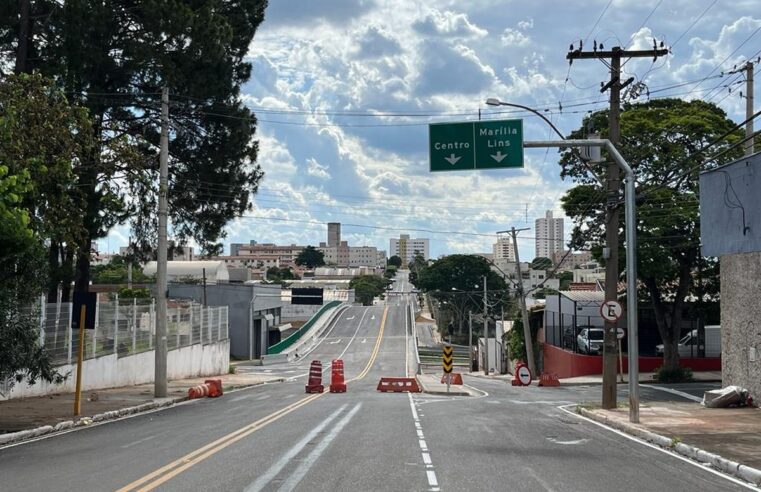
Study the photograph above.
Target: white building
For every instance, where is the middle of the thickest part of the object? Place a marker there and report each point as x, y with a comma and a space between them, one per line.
549, 235
503, 248
406, 248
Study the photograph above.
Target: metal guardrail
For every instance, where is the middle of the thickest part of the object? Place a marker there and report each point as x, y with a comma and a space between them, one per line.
295, 336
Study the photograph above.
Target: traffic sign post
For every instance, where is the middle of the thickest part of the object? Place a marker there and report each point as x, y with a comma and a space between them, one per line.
83, 316
611, 311
524, 375
447, 362
492, 144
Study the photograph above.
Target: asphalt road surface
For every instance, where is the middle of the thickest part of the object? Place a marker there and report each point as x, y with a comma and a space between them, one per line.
276, 437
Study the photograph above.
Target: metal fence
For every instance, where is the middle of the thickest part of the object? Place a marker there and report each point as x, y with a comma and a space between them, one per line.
128, 326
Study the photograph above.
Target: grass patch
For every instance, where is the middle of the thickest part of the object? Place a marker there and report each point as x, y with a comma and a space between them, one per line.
231, 369
674, 441
673, 374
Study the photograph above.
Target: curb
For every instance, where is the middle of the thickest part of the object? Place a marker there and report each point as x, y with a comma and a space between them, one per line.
15, 437
743, 472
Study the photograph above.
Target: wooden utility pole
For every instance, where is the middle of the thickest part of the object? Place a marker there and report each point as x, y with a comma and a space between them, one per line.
613, 188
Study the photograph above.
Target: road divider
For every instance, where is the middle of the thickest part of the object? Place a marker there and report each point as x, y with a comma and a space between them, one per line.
337, 383
398, 385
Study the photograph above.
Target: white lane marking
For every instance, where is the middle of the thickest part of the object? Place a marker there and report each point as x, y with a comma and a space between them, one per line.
312, 458
278, 466
570, 443
420, 434
364, 340
335, 342
354, 335
139, 441
677, 392
349, 319
263, 397
658, 448
433, 483
372, 317
432, 478
239, 398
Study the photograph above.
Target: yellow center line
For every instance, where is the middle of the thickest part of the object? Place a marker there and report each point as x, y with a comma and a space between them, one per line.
171, 470
181, 464
376, 349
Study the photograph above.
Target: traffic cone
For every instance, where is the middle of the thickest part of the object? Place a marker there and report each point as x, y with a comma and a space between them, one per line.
337, 383
315, 378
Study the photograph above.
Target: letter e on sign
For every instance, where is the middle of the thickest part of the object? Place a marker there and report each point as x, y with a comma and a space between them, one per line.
611, 311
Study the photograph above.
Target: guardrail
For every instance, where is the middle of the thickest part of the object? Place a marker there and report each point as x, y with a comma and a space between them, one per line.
295, 336
413, 332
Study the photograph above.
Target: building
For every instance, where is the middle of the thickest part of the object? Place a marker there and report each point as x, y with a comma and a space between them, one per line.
334, 234
578, 259
264, 255
335, 255
531, 279
730, 228
406, 248
193, 271
549, 236
235, 247
503, 248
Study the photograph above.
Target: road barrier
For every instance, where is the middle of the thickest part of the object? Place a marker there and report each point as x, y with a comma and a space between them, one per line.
337, 383
398, 385
315, 378
215, 387
454, 378
211, 388
549, 379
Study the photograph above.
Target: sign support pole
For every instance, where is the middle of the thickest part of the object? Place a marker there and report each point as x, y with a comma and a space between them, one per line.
80, 356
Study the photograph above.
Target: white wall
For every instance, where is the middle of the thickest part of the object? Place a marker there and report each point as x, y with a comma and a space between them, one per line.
111, 371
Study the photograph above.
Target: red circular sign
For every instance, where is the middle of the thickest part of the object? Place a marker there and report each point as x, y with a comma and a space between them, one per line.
524, 375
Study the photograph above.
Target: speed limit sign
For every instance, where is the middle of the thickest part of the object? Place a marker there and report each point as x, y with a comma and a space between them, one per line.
611, 311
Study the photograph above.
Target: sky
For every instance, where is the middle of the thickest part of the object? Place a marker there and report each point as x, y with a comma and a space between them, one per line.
344, 91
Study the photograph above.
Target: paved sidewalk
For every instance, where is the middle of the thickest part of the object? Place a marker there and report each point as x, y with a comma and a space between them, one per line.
644, 377
432, 384
733, 434
28, 413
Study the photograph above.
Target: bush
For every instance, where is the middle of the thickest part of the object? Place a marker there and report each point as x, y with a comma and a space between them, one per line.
673, 374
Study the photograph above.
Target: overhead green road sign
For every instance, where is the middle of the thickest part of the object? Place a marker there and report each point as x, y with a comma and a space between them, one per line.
488, 144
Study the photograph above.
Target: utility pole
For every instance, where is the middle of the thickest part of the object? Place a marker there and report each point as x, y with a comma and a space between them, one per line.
748, 69
522, 303
160, 375
613, 186
129, 263
486, 331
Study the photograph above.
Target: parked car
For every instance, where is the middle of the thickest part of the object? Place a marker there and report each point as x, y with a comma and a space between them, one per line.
590, 340
688, 345
570, 336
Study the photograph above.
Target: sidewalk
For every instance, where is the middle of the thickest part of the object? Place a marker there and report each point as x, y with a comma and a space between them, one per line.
51, 410
432, 384
728, 439
644, 377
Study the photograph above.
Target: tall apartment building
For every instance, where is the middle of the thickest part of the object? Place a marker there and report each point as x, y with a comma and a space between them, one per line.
406, 248
549, 235
334, 234
503, 248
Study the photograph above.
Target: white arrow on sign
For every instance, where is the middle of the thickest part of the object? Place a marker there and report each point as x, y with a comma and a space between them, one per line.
499, 156
452, 159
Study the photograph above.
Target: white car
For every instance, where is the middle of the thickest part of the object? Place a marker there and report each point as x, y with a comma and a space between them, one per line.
590, 340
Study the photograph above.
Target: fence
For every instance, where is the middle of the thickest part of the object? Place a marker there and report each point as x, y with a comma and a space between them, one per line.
128, 326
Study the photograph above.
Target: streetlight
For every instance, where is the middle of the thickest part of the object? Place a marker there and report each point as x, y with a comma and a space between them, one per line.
493, 101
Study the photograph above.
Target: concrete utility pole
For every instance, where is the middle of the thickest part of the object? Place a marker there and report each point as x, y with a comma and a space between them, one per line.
613, 186
160, 374
522, 303
748, 69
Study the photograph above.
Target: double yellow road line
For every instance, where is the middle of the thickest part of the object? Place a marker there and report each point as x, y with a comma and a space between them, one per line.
171, 470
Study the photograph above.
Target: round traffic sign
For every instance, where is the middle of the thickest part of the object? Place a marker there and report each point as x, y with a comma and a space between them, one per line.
620, 333
611, 311
524, 375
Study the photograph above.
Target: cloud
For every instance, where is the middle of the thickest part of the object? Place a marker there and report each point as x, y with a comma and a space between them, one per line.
452, 69
316, 169
448, 24
375, 43
514, 37
301, 12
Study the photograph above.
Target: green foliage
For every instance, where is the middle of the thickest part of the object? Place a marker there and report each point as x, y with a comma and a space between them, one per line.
543, 293
310, 257
390, 272
565, 280
127, 293
661, 140
395, 261
677, 374
116, 273
279, 275
367, 287
541, 263
515, 341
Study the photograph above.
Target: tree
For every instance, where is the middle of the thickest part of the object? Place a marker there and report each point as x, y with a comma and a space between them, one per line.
310, 257
279, 275
541, 263
565, 280
368, 287
44, 136
114, 59
661, 140
395, 261
458, 281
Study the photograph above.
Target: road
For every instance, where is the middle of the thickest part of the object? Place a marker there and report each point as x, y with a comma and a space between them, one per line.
275, 437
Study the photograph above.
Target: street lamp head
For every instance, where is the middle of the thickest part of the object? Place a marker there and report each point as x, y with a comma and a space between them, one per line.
493, 101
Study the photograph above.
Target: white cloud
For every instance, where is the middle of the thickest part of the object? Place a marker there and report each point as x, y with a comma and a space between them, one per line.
314, 168
448, 24
514, 37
